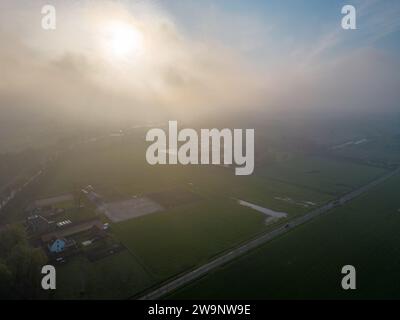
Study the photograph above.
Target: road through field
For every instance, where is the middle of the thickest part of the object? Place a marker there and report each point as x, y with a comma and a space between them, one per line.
188, 277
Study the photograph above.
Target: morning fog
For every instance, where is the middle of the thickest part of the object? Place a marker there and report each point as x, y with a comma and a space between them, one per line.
211, 146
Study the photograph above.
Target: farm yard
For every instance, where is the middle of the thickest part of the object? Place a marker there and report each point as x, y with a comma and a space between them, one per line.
129, 209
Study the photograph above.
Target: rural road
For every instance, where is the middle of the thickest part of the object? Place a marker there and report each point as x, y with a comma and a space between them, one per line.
252, 244
16, 191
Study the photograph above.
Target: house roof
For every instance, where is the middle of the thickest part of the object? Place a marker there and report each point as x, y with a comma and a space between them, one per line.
71, 230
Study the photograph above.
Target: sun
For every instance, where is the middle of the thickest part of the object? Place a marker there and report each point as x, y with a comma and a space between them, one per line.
122, 40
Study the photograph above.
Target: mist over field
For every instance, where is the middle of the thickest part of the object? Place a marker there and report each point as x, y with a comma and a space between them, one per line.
194, 61
153, 149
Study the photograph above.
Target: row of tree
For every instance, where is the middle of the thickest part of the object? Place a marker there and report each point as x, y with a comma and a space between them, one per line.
20, 265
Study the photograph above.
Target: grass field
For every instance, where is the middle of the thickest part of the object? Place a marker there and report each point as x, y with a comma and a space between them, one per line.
117, 168
116, 277
321, 174
163, 244
306, 263
173, 241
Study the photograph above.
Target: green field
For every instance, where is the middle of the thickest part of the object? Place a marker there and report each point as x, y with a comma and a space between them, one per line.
116, 277
306, 262
164, 244
329, 176
173, 241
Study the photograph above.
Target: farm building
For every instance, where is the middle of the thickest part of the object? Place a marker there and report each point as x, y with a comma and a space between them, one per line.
59, 245
71, 230
38, 224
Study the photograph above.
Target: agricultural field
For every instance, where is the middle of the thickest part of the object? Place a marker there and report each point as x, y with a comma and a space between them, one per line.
172, 241
118, 276
199, 149
306, 262
197, 213
325, 175
376, 150
117, 169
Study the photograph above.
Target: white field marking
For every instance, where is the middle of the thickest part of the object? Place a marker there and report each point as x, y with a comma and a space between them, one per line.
266, 211
352, 142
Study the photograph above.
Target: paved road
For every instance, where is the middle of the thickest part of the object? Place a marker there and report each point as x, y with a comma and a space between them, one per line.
237, 252
16, 191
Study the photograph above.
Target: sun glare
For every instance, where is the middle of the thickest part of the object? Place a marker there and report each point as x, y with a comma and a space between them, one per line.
123, 40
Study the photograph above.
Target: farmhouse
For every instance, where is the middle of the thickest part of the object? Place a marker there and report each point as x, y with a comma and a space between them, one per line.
38, 224
59, 245
71, 230
49, 202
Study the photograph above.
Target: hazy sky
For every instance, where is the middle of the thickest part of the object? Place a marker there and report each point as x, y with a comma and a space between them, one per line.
137, 59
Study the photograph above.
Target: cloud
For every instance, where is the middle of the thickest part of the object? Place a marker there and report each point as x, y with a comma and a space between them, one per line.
232, 64
67, 73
